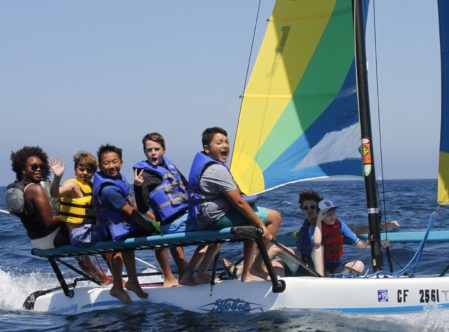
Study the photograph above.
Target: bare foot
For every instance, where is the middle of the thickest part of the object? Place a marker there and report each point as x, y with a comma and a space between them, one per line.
121, 295
104, 280
135, 287
172, 282
251, 277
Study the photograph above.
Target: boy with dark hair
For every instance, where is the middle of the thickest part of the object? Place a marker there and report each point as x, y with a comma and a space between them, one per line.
113, 205
218, 202
308, 202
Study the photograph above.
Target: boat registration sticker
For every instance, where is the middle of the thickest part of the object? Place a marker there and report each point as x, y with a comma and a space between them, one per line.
382, 295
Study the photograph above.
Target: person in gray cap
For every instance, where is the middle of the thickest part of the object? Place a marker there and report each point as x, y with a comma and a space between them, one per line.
328, 236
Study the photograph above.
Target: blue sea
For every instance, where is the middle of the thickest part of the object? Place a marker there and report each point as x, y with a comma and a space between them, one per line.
409, 201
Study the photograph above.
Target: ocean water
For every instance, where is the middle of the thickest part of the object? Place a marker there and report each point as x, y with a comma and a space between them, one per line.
409, 201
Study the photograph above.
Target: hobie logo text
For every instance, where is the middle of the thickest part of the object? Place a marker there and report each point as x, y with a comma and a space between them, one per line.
231, 305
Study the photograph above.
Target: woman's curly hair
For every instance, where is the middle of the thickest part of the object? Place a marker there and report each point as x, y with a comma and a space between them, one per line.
20, 157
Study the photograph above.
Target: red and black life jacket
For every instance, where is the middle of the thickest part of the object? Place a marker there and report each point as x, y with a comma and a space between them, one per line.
332, 241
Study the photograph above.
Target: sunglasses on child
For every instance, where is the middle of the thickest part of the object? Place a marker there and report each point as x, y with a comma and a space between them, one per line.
308, 207
35, 166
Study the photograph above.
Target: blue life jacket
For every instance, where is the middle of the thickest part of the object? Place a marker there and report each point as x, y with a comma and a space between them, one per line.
118, 226
303, 242
169, 199
199, 165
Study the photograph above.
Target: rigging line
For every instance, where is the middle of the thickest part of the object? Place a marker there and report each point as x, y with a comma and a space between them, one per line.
247, 68
378, 118
384, 214
383, 204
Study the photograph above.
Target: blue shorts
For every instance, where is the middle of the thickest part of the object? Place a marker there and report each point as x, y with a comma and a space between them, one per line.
176, 226
234, 218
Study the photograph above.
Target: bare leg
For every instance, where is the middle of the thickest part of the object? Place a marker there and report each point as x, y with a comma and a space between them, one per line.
273, 224
203, 276
133, 282
318, 259
164, 263
249, 250
197, 257
354, 266
117, 284
88, 266
178, 255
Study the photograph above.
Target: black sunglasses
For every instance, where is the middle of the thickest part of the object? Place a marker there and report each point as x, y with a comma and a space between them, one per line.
307, 207
35, 166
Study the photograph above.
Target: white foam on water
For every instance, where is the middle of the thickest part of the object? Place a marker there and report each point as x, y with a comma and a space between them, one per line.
15, 287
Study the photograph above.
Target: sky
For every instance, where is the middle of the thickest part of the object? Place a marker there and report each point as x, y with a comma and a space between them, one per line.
78, 74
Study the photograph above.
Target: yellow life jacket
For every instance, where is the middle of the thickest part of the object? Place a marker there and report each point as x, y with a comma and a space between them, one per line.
78, 210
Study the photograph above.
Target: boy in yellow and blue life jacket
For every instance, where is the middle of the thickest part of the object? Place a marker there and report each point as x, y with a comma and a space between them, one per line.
159, 186
216, 202
76, 208
114, 209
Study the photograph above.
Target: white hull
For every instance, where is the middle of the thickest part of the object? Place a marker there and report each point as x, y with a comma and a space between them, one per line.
353, 295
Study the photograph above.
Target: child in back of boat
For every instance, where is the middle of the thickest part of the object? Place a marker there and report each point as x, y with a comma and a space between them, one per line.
159, 186
328, 236
76, 208
308, 203
114, 209
218, 203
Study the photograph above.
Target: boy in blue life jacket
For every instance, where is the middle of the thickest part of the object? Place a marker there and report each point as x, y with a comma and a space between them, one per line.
112, 202
218, 203
160, 187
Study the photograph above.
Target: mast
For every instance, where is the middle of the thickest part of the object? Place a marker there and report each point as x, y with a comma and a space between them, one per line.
365, 127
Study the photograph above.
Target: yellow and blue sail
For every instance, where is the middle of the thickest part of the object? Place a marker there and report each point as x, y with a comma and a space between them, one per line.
443, 174
299, 115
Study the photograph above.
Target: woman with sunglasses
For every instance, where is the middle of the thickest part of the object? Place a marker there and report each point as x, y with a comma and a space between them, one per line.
43, 227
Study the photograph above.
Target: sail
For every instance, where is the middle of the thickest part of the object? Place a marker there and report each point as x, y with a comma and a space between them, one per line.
443, 174
299, 116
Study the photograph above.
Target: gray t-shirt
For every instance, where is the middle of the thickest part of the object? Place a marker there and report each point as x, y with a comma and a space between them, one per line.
215, 181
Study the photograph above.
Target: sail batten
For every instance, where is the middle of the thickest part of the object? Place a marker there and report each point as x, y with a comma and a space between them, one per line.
302, 89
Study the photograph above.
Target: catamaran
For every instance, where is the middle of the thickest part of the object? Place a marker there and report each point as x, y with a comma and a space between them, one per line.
304, 114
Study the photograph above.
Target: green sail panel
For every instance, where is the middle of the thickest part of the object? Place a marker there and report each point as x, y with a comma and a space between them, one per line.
299, 115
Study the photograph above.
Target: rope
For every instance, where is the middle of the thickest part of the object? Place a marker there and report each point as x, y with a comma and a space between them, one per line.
247, 66
410, 268
380, 193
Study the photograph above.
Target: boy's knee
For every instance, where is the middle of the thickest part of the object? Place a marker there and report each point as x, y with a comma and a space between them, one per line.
274, 216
